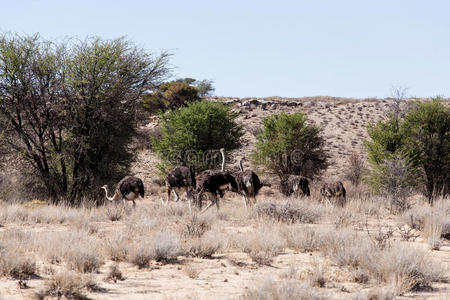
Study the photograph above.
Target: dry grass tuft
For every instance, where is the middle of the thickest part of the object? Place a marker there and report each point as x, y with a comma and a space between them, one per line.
17, 264
263, 244
64, 284
303, 238
286, 289
197, 225
114, 274
191, 271
166, 246
203, 247
290, 211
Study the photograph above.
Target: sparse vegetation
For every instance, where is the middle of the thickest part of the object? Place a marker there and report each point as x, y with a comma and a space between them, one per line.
289, 144
189, 134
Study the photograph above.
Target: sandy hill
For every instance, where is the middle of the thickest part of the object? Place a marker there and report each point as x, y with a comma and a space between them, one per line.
343, 120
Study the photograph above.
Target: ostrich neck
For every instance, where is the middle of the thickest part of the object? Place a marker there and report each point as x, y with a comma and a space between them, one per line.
223, 161
106, 194
240, 165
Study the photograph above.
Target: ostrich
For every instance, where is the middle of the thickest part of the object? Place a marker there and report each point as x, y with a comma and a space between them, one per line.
215, 182
295, 184
333, 190
129, 188
180, 177
248, 183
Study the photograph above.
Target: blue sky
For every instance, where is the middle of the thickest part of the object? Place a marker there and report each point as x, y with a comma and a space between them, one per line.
268, 48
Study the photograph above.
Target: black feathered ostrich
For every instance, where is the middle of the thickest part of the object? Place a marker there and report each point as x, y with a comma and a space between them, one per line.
180, 177
248, 183
129, 188
215, 183
295, 184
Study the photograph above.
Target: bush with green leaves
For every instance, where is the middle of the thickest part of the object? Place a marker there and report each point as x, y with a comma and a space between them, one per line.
68, 109
170, 95
192, 135
290, 144
422, 139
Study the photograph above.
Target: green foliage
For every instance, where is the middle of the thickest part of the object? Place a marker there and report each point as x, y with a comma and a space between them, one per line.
422, 139
189, 134
170, 95
205, 87
386, 140
427, 131
289, 145
70, 108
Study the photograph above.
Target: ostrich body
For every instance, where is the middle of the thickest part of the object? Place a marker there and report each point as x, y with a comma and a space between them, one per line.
248, 184
128, 189
215, 183
295, 184
180, 177
334, 190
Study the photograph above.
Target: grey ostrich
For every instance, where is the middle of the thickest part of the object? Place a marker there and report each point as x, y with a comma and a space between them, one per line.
215, 183
180, 177
128, 189
248, 183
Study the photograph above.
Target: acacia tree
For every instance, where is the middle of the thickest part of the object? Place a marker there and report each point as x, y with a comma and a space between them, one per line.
68, 109
421, 139
289, 145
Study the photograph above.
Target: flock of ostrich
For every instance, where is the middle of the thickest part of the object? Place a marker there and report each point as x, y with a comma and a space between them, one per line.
213, 182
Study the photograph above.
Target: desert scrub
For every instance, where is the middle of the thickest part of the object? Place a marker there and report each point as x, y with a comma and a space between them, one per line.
263, 244
197, 225
116, 246
16, 261
64, 284
17, 264
166, 246
290, 211
291, 289
302, 238
78, 250
205, 246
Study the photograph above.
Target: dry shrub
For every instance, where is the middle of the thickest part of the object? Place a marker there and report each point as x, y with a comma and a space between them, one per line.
114, 274
433, 233
317, 276
191, 271
140, 253
343, 217
376, 294
166, 246
303, 238
116, 246
425, 217
263, 244
347, 248
16, 264
290, 211
67, 284
116, 211
16, 261
85, 258
408, 269
80, 251
197, 225
287, 289
355, 169
205, 246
